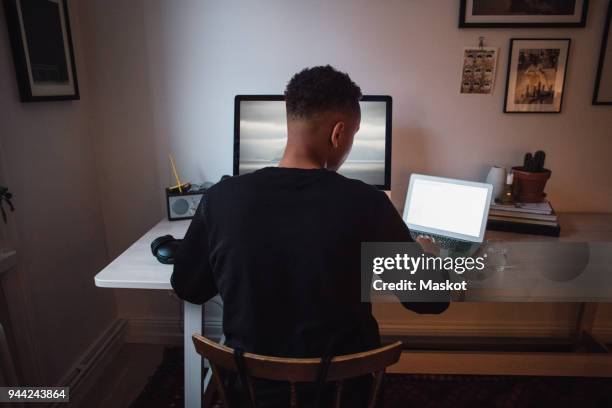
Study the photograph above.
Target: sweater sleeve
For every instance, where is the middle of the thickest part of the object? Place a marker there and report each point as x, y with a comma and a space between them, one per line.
390, 227
192, 278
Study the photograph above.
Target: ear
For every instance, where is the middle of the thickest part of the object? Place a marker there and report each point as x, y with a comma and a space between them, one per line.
337, 133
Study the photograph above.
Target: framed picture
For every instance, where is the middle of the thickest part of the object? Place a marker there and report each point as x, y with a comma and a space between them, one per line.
603, 80
523, 13
39, 31
478, 70
536, 75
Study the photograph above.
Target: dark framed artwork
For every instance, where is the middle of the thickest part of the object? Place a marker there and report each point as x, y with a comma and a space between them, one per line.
39, 31
602, 94
523, 13
536, 75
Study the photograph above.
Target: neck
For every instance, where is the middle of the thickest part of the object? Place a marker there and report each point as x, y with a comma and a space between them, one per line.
303, 150
300, 159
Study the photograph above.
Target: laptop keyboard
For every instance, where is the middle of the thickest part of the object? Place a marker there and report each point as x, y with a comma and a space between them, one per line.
453, 244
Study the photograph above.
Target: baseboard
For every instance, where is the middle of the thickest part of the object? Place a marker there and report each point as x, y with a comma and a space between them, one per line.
165, 331
83, 375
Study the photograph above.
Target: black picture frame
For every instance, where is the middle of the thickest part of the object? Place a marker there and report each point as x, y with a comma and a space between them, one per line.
388, 129
30, 90
602, 57
463, 23
510, 70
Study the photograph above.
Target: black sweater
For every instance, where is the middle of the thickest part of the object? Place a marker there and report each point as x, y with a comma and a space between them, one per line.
282, 248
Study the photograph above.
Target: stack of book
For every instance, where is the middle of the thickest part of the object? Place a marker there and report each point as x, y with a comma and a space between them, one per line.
526, 218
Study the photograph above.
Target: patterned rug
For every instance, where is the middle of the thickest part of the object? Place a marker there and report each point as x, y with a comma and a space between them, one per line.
165, 389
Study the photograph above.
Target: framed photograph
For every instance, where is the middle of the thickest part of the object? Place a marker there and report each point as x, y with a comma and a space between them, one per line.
523, 13
478, 70
603, 80
536, 75
39, 31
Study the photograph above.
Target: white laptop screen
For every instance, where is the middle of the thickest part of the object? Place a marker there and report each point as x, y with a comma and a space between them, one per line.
447, 206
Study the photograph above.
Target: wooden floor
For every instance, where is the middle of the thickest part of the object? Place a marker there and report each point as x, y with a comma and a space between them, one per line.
125, 377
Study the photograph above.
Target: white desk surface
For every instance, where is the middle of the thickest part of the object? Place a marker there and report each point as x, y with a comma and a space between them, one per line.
137, 268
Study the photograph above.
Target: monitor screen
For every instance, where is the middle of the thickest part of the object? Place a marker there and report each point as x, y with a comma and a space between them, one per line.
260, 135
448, 207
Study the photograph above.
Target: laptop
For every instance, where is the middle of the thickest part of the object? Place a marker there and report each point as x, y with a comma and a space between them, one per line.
452, 212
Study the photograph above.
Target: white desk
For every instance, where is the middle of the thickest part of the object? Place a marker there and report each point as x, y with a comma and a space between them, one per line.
137, 268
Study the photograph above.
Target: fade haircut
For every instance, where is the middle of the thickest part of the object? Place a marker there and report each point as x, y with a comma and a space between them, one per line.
321, 89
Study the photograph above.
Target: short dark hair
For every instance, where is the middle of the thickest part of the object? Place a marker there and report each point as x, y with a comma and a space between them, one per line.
319, 89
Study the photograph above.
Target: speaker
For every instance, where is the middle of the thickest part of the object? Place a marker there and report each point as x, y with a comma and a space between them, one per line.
183, 206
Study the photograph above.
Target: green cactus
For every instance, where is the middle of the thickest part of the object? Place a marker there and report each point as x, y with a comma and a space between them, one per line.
539, 158
534, 162
528, 162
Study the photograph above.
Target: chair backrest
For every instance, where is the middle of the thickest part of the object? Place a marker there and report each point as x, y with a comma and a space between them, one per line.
298, 370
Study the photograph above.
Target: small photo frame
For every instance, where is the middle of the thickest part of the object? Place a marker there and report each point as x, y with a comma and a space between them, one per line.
39, 32
603, 80
478, 70
523, 13
536, 75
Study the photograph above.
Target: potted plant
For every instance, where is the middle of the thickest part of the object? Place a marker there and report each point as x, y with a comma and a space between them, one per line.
530, 178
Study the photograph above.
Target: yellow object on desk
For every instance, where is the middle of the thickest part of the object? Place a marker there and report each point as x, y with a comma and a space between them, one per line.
176, 176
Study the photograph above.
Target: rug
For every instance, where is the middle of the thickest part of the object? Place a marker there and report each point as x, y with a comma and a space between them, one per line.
165, 389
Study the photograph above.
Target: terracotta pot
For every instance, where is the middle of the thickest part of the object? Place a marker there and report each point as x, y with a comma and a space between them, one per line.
529, 186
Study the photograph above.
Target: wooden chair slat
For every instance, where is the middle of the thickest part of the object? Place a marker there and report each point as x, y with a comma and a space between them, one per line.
250, 388
294, 402
339, 385
376, 381
220, 386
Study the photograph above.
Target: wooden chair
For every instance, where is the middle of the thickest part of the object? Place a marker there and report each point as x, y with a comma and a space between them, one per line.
296, 370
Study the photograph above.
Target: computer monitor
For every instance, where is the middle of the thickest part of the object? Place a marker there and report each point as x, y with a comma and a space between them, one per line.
260, 135
446, 207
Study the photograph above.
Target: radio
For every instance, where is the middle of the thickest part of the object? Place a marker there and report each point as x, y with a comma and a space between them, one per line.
182, 205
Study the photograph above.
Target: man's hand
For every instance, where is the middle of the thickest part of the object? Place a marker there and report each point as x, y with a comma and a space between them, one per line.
428, 245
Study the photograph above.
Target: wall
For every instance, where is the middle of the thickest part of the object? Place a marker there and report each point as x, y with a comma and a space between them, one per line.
49, 164
408, 49
187, 59
126, 135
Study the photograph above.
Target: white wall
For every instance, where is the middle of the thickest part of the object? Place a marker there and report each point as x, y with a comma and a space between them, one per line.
206, 52
168, 72
49, 164
126, 136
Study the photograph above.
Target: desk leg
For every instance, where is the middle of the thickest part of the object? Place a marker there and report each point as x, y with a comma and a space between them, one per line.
192, 323
586, 317
584, 340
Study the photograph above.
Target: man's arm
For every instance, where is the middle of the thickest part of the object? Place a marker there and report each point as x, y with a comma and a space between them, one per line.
192, 278
391, 228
